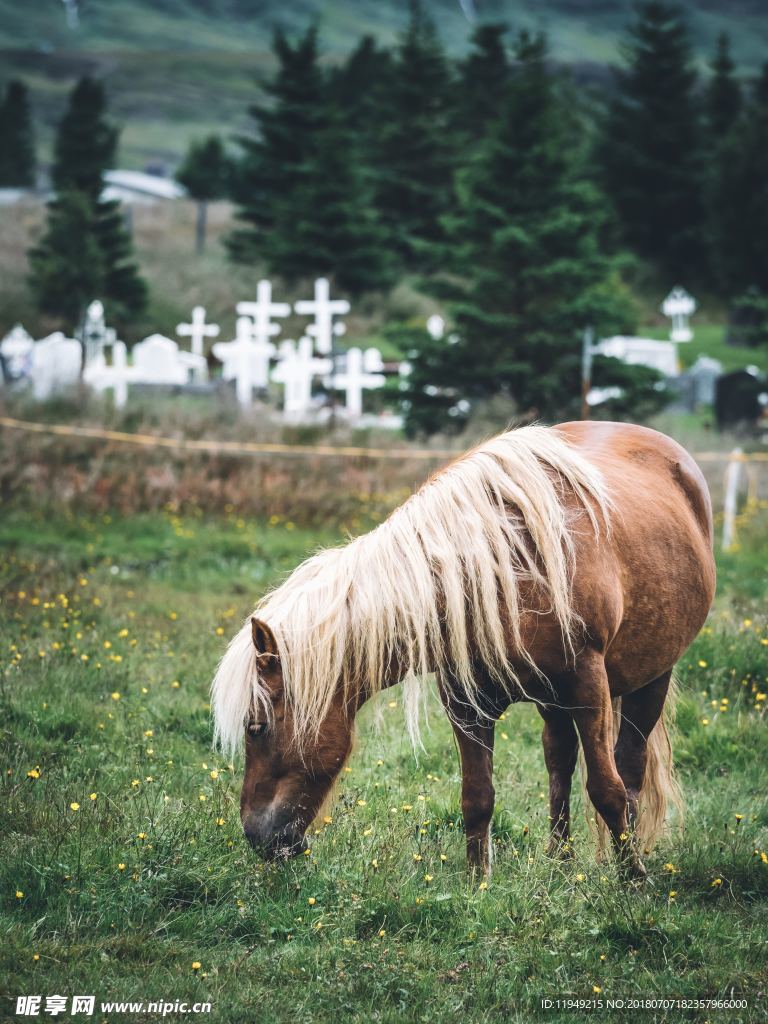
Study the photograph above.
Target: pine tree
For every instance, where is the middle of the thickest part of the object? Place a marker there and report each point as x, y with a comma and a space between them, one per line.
483, 82
524, 243
330, 227
274, 162
316, 214
741, 219
86, 142
650, 152
68, 266
80, 220
358, 87
723, 99
416, 151
206, 175
17, 155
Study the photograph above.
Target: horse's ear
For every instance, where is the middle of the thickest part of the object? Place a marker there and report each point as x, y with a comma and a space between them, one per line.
263, 638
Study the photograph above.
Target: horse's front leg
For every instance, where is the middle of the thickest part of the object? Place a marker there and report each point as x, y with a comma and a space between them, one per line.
560, 744
593, 716
474, 736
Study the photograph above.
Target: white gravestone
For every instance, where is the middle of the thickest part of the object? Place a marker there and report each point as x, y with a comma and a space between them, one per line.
296, 369
94, 334
679, 306
197, 330
262, 312
101, 376
323, 308
361, 372
436, 327
16, 351
246, 359
659, 355
159, 360
56, 362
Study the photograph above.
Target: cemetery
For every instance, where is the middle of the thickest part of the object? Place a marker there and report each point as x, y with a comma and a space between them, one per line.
275, 280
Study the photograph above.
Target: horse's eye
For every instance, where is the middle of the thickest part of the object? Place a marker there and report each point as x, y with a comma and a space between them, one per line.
256, 728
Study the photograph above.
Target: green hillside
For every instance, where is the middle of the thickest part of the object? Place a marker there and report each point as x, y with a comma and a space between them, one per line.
178, 68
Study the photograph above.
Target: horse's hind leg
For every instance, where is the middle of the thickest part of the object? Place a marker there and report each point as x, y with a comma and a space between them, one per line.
593, 716
560, 744
640, 711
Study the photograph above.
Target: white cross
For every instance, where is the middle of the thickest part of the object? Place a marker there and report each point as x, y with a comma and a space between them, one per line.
357, 376
101, 376
261, 312
679, 306
296, 368
197, 330
323, 308
245, 360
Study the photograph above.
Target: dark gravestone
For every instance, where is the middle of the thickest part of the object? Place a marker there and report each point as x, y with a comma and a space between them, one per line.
738, 403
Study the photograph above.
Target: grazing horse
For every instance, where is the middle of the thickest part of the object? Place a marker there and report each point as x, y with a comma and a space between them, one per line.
570, 566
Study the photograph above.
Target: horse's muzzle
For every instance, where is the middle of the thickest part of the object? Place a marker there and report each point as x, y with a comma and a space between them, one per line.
273, 838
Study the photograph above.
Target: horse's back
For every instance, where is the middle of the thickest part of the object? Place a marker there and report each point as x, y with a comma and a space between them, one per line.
655, 565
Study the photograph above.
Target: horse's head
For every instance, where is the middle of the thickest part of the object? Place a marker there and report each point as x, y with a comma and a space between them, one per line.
286, 781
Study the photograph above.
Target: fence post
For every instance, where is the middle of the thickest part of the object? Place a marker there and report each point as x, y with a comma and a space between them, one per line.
732, 476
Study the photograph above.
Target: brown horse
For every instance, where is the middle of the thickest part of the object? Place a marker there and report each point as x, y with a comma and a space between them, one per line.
570, 566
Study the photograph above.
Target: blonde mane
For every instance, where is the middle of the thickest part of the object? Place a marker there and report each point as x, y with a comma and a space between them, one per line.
425, 589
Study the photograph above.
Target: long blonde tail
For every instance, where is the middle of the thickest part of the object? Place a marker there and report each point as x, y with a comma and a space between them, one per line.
661, 789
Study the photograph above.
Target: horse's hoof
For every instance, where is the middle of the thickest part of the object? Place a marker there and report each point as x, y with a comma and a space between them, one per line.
559, 850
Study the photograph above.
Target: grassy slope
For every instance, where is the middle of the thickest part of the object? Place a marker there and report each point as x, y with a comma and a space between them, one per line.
175, 72
381, 943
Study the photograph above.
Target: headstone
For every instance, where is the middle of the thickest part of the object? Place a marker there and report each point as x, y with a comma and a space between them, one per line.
102, 376
197, 330
259, 352
56, 362
158, 360
679, 306
16, 355
436, 327
296, 369
704, 375
659, 355
93, 333
323, 309
262, 312
740, 398
357, 375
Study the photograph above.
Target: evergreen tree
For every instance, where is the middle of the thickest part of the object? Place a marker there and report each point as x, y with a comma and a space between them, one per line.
316, 214
86, 142
274, 163
527, 271
416, 144
68, 266
358, 88
483, 81
79, 220
17, 155
205, 173
723, 99
650, 150
740, 211
330, 227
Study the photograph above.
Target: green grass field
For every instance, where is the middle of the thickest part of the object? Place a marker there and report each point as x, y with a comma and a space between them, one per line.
123, 873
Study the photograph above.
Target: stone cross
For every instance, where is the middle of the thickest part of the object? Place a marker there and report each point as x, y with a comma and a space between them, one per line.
359, 373
197, 330
679, 306
94, 336
323, 308
245, 359
101, 376
262, 311
296, 368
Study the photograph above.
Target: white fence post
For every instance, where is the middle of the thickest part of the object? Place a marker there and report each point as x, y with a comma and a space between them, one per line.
732, 477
